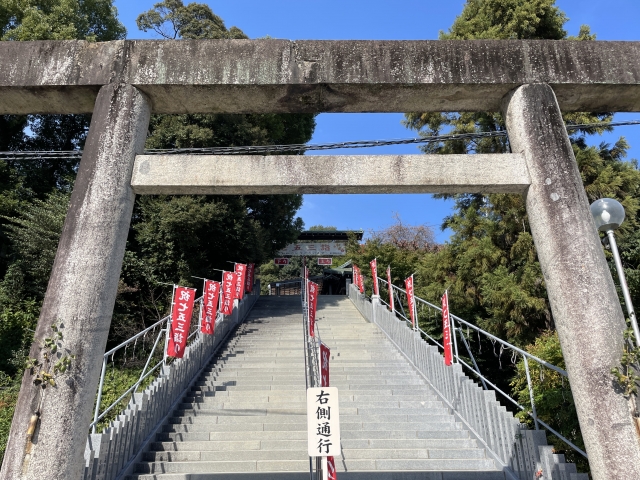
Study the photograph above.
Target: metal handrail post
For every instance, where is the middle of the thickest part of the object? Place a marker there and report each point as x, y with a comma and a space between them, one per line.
455, 340
99, 399
146, 365
473, 359
533, 404
168, 330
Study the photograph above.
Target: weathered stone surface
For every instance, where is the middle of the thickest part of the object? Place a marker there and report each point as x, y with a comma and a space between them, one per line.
279, 174
583, 298
242, 76
82, 291
56, 77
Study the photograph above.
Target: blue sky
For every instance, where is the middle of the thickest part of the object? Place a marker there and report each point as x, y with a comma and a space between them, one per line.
385, 20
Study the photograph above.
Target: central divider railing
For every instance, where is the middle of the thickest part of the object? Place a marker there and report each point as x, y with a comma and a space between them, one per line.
523, 454
312, 365
113, 453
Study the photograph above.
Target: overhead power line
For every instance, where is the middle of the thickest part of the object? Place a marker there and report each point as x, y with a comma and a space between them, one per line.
296, 148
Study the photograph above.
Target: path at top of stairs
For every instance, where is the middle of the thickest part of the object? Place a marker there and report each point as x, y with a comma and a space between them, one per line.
245, 417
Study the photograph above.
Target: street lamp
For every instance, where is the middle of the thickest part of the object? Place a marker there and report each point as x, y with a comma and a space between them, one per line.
609, 215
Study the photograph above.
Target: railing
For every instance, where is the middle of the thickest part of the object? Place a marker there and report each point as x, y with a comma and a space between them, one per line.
457, 331
113, 453
523, 453
147, 373
312, 368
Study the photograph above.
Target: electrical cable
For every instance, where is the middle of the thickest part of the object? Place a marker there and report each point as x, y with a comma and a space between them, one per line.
296, 148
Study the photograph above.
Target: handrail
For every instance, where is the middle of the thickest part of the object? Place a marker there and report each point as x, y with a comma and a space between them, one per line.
143, 375
476, 370
484, 332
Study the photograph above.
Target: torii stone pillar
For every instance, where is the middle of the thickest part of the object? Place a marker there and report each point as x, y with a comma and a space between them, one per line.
82, 290
582, 295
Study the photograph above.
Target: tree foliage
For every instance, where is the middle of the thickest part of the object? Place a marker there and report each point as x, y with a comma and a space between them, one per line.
92, 20
490, 265
173, 19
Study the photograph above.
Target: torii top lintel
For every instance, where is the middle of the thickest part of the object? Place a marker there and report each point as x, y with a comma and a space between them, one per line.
257, 76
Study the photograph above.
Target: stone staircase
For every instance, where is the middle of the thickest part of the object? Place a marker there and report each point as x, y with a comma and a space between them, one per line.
245, 418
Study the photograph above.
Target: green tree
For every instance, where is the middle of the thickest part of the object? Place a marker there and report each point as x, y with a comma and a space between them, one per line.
175, 237
172, 19
92, 20
490, 265
551, 394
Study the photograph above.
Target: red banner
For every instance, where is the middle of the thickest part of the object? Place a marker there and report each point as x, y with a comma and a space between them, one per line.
354, 269
183, 298
360, 281
446, 330
374, 274
209, 310
241, 273
313, 303
325, 355
331, 469
281, 261
228, 292
408, 283
248, 285
390, 285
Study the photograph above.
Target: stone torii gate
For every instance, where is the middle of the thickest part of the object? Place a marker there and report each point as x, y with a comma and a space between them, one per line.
123, 82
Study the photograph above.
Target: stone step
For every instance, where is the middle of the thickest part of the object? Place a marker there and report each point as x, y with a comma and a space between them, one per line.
350, 475
350, 454
245, 417
275, 465
292, 417
212, 432
353, 443
300, 402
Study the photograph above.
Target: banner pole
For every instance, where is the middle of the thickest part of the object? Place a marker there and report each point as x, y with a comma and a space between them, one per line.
166, 340
453, 328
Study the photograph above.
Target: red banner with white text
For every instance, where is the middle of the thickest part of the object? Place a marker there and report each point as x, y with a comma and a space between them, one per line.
446, 330
228, 292
313, 303
354, 269
183, 298
360, 281
325, 355
210, 299
408, 283
390, 285
241, 272
374, 273
248, 285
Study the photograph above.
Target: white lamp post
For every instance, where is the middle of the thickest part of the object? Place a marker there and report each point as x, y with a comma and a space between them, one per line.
609, 215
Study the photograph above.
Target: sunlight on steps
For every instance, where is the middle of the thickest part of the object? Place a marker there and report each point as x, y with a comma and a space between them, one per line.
245, 418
